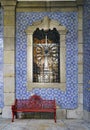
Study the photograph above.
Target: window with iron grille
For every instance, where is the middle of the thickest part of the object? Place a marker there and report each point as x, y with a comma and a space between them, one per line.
46, 56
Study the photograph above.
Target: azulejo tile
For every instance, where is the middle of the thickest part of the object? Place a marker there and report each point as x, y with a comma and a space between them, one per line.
86, 90
68, 19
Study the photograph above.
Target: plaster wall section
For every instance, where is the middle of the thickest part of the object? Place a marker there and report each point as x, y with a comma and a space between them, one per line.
9, 56
1, 59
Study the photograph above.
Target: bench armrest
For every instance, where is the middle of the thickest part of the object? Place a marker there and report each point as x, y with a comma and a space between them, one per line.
13, 107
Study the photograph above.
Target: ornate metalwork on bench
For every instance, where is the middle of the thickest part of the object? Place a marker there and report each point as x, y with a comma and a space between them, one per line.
34, 104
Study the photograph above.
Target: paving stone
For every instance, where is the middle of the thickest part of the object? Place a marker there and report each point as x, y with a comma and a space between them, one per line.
32, 124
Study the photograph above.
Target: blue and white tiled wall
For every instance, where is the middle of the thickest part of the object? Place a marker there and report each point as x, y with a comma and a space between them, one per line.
1, 58
69, 98
86, 28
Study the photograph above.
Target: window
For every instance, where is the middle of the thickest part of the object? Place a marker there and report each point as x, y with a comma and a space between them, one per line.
46, 57
46, 54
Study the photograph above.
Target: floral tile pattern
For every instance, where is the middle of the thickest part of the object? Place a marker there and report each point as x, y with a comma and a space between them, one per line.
86, 90
69, 98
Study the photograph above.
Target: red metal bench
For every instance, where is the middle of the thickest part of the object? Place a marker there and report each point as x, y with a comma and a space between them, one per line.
34, 104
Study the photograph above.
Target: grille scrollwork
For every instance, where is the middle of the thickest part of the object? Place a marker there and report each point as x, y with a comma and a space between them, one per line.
46, 60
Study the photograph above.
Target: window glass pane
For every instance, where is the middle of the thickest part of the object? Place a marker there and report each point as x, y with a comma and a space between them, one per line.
46, 56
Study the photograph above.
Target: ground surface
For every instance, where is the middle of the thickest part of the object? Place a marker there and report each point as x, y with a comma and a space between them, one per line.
43, 124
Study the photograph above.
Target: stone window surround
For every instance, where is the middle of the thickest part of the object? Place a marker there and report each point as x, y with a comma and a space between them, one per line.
46, 24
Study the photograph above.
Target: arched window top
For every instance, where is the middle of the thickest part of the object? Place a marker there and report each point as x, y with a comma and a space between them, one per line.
46, 24
52, 35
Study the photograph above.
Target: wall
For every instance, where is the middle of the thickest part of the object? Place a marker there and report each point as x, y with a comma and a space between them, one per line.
1, 58
86, 28
71, 17
65, 99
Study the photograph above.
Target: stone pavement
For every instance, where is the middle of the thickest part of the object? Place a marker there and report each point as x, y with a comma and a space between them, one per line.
44, 124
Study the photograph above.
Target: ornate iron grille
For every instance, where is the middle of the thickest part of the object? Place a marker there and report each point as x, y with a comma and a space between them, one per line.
46, 56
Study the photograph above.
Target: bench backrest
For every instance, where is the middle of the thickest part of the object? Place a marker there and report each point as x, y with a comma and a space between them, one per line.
34, 102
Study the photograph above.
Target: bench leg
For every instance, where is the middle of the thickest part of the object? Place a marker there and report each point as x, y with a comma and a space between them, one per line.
12, 116
55, 116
